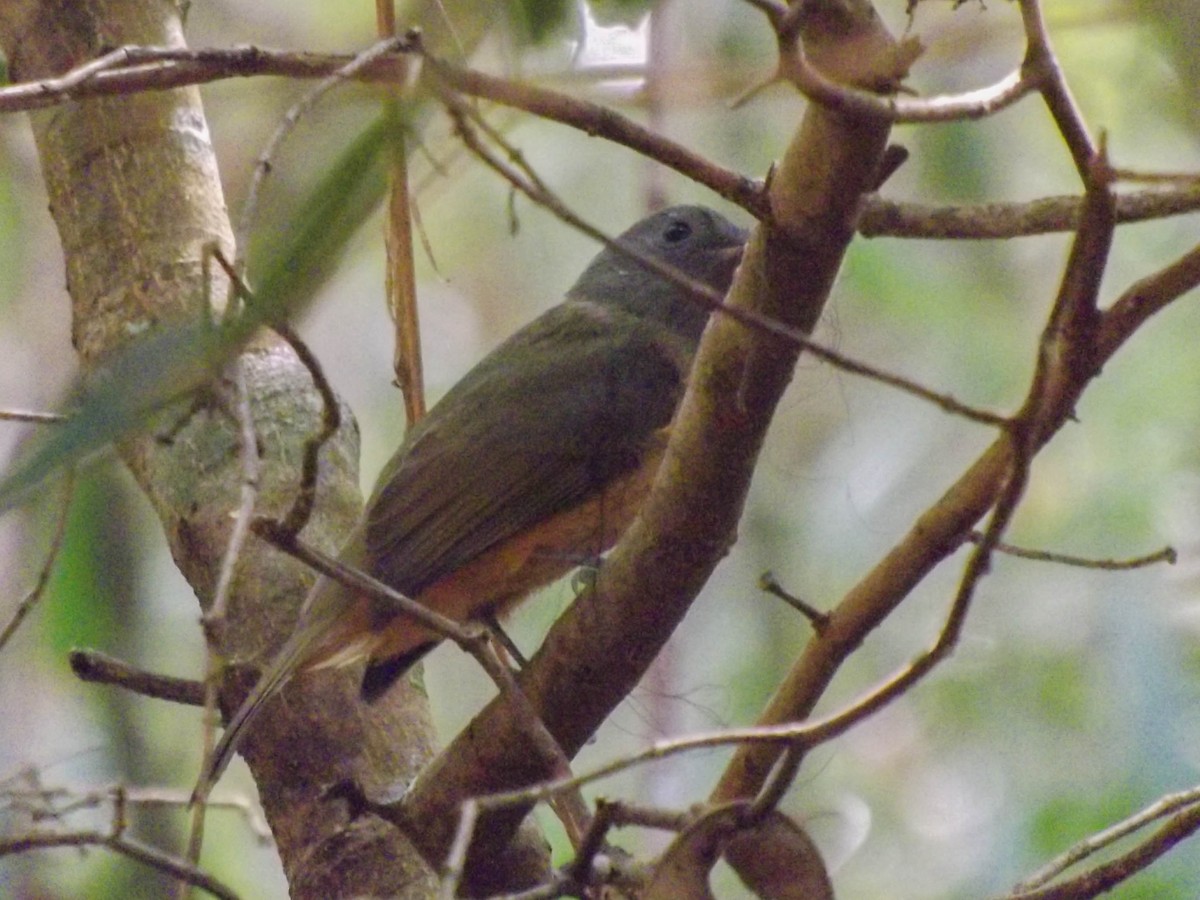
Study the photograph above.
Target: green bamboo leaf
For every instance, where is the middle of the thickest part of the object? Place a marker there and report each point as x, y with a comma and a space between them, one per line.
141, 379
149, 375
297, 260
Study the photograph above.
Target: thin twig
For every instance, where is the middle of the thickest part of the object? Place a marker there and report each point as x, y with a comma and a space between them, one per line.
1065, 363
42, 803
1000, 221
1144, 298
1065, 340
146, 68
248, 452
1165, 555
1042, 67
38, 418
817, 618
331, 410
701, 293
795, 67
1167, 179
1105, 877
594, 119
214, 619
66, 84
786, 767
1161, 808
504, 639
276, 533
580, 868
813, 732
30, 600
263, 165
139, 852
331, 420
160, 68
400, 278
625, 813
456, 859
99, 668
471, 638
570, 807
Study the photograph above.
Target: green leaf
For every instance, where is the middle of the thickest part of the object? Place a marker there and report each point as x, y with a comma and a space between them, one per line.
297, 261
166, 366
139, 380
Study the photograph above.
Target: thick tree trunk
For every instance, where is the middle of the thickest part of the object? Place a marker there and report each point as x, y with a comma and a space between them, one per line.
135, 193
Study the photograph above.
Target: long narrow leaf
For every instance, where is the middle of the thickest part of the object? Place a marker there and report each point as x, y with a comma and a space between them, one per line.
168, 365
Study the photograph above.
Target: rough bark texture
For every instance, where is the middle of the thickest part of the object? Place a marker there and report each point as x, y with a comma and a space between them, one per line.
135, 193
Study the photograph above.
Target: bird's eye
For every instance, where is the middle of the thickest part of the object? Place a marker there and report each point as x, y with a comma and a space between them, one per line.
677, 231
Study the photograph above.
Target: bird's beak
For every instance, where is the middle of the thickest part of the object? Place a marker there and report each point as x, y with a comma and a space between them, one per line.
730, 258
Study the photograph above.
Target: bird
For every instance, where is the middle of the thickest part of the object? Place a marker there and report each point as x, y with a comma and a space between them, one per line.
535, 461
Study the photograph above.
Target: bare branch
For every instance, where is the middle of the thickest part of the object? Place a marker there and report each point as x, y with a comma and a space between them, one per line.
400, 281
471, 637
1042, 67
1166, 554
769, 583
30, 600
151, 68
38, 418
456, 859
213, 620
24, 793
249, 453
1146, 297
1105, 877
1067, 361
331, 421
595, 119
737, 378
146, 855
527, 182
995, 221
99, 668
1169, 805
135, 69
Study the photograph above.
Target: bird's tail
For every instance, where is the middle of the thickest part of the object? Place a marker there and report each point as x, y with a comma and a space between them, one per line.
314, 633
268, 685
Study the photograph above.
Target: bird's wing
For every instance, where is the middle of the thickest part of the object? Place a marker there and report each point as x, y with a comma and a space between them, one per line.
539, 426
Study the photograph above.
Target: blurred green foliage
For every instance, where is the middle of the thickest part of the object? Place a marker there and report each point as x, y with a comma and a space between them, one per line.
537, 20
164, 369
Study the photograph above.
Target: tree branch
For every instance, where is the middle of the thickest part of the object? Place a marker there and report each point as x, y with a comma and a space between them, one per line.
600, 647
142, 68
136, 197
1076, 343
100, 668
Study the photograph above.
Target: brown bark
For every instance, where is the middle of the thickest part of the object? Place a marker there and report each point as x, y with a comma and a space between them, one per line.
599, 649
135, 194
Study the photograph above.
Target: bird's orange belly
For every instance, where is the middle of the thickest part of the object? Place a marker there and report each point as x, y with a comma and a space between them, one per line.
499, 578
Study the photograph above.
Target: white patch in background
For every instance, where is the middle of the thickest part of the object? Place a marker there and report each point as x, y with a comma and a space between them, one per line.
617, 45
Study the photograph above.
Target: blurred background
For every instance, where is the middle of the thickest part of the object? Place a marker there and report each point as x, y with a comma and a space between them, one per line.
1072, 700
